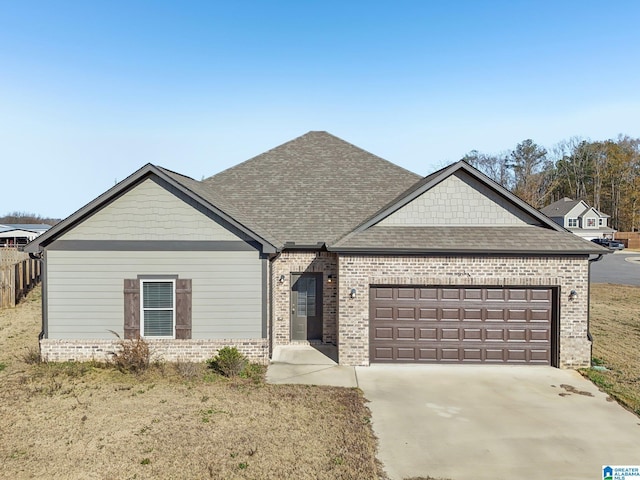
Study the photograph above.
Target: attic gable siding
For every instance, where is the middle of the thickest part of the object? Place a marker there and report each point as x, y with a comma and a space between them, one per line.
458, 200
577, 211
149, 212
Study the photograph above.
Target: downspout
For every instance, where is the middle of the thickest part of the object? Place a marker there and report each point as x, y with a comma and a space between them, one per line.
589, 337
43, 274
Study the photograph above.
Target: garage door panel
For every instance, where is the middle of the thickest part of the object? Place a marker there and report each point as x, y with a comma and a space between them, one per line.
428, 334
382, 293
383, 313
471, 314
449, 334
472, 355
450, 313
406, 353
426, 294
406, 313
465, 325
471, 294
405, 333
383, 333
428, 314
540, 315
471, 334
405, 294
428, 354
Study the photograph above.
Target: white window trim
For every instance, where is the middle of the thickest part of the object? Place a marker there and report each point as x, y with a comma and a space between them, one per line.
589, 221
142, 309
569, 222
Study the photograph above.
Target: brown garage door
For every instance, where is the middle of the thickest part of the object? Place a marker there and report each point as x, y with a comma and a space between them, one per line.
469, 325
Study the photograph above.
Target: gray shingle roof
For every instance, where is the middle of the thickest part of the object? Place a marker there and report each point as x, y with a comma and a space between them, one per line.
490, 239
560, 208
311, 190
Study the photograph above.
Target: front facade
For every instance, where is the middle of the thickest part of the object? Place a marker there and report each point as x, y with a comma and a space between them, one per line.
579, 218
339, 247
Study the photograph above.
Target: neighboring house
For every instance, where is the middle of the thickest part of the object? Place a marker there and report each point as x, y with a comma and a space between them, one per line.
19, 234
317, 241
579, 218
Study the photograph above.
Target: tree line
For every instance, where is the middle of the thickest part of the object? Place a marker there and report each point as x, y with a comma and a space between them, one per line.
605, 174
25, 217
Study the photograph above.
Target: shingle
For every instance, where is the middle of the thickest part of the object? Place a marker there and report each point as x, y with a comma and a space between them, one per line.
509, 239
311, 190
560, 208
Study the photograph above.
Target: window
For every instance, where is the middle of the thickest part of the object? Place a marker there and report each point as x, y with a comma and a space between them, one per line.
600, 221
157, 307
591, 222
157, 318
573, 222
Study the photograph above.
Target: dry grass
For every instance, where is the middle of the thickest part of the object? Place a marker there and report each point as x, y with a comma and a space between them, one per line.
615, 326
87, 421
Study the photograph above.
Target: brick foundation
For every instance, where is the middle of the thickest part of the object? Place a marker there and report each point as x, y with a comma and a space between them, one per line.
257, 350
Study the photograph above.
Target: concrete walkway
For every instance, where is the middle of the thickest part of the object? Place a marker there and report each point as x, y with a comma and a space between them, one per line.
309, 365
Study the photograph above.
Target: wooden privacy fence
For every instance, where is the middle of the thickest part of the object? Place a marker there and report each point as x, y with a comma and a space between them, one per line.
630, 239
18, 275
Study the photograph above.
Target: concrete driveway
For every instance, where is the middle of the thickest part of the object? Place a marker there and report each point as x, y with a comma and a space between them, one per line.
495, 422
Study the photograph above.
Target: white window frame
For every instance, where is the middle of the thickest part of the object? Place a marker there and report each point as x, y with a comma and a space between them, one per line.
591, 223
173, 310
574, 221
600, 221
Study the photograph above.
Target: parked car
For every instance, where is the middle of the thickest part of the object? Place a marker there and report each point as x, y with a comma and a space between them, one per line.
611, 244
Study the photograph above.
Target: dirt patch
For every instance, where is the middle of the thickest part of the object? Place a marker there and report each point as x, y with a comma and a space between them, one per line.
615, 327
571, 389
86, 421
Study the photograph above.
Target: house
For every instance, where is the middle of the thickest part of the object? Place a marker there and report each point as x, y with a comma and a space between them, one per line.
579, 218
317, 241
13, 235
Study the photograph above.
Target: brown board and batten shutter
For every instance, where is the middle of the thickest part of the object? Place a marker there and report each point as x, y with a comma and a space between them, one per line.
131, 309
183, 308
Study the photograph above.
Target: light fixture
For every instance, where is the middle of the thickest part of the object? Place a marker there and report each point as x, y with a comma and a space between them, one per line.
573, 295
281, 279
353, 293
329, 278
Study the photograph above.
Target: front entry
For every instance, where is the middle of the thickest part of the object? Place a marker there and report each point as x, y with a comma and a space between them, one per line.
306, 306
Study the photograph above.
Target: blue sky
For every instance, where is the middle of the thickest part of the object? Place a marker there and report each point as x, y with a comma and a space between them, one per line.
91, 91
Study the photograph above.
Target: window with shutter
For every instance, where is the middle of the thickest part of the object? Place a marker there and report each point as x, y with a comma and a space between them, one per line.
157, 308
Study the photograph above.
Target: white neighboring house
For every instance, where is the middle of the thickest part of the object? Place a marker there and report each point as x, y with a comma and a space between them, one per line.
19, 234
579, 218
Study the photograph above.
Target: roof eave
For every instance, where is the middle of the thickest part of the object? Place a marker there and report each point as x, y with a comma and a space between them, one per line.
464, 251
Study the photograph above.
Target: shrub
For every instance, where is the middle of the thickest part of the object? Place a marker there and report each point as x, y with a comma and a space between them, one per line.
228, 362
3, 366
132, 356
31, 356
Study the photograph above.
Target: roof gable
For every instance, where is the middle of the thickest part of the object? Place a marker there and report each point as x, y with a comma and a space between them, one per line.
148, 171
470, 184
459, 199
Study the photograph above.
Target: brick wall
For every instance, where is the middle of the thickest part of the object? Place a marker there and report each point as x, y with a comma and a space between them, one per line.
359, 272
302, 262
257, 350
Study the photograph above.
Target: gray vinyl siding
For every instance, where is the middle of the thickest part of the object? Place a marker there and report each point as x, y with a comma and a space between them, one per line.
458, 200
86, 300
149, 212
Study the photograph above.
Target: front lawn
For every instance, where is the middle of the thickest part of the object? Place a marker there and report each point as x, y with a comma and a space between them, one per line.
87, 421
